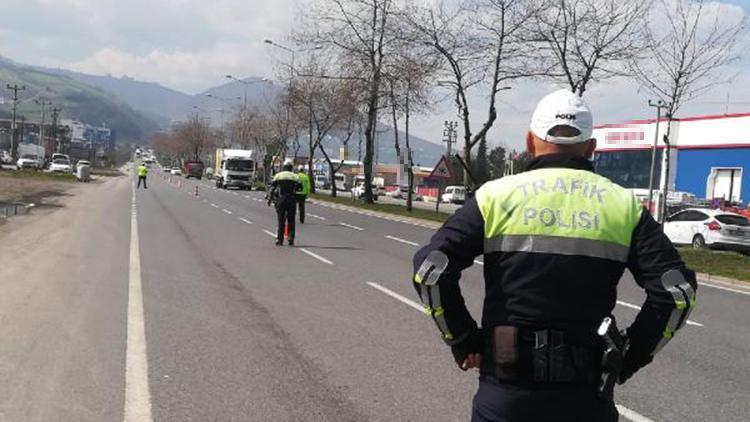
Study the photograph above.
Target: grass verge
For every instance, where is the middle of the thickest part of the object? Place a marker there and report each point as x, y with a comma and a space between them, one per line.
385, 208
718, 263
38, 175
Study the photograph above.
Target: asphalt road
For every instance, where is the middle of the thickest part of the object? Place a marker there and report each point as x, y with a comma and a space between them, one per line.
236, 329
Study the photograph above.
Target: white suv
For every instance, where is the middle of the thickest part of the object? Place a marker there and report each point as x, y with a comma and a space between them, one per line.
709, 228
454, 195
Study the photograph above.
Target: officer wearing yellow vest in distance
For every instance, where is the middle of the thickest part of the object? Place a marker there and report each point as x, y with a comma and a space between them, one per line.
303, 194
556, 240
284, 188
142, 172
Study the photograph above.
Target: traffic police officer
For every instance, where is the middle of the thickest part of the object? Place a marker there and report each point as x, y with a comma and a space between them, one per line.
142, 172
556, 240
302, 195
284, 188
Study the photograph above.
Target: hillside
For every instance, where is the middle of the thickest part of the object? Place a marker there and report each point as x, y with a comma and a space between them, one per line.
77, 100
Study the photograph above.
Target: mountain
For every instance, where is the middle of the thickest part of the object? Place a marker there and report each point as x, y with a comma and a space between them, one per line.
77, 100
160, 103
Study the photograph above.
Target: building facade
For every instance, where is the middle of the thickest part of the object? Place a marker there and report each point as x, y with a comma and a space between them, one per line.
709, 155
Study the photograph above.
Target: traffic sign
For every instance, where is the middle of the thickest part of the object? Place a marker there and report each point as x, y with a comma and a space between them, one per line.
442, 170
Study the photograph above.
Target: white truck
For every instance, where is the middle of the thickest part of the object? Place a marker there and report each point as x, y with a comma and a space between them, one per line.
234, 167
378, 187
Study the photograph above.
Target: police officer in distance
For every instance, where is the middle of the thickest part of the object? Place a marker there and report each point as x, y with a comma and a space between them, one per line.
284, 188
556, 240
302, 194
142, 173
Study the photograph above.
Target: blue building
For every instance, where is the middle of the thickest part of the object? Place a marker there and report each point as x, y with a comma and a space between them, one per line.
709, 158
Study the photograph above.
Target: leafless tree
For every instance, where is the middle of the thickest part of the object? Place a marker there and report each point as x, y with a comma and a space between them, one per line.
196, 135
481, 43
360, 32
590, 40
687, 44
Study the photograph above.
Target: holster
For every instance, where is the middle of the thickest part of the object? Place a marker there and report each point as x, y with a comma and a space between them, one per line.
540, 357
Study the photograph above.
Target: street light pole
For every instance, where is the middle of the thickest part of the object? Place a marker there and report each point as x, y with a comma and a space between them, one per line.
14, 139
246, 84
43, 103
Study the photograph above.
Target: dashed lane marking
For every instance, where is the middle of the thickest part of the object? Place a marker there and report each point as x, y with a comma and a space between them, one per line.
317, 216
227, 211
478, 262
638, 308
397, 296
631, 415
214, 205
727, 289
398, 239
316, 256
269, 233
246, 221
351, 226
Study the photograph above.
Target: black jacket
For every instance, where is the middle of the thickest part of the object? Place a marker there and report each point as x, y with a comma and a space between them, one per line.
545, 290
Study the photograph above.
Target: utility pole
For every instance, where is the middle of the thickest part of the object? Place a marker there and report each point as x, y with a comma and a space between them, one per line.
43, 103
14, 139
659, 105
55, 114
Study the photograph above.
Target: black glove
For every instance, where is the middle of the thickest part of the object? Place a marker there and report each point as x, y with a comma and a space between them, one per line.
471, 344
631, 364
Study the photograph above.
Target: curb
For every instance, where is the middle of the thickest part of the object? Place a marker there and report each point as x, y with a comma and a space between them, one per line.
723, 280
382, 215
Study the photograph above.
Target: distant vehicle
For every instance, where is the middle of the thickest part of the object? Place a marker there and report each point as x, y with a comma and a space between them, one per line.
402, 191
209, 172
60, 165
358, 191
29, 161
175, 171
454, 195
193, 168
5, 157
83, 171
710, 228
322, 181
59, 156
342, 182
234, 167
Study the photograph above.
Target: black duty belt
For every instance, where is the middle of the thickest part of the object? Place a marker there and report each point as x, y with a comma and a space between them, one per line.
543, 356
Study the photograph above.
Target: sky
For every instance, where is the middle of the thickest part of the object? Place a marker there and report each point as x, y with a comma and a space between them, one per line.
189, 45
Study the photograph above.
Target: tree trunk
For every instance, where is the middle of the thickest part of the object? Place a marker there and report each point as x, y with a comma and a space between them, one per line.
409, 161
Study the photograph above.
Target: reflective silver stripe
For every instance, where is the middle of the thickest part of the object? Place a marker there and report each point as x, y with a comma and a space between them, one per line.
683, 295
557, 245
432, 268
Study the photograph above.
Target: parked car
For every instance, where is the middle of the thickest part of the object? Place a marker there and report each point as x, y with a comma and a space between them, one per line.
175, 171
209, 173
5, 157
29, 161
358, 191
454, 195
402, 191
60, 165
710, 228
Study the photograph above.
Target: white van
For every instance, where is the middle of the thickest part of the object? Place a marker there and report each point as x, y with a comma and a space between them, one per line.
454, 195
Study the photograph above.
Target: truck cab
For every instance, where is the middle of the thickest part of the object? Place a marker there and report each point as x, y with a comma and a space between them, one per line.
234, 168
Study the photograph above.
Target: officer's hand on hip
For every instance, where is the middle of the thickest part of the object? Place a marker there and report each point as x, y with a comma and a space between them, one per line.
474, 360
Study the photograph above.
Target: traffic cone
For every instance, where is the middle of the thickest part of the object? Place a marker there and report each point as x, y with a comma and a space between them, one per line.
196, 191
286, 231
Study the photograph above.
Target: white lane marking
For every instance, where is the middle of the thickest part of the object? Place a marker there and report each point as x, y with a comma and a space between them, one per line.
397, 296
478, 262
317, 216
246, 221
227, 211
316, 256
137, 396
398, 239
351, 226
269, 233
214, 205
638, 308
247, 196
631, 415
728, 289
